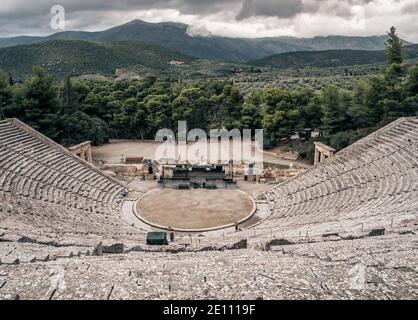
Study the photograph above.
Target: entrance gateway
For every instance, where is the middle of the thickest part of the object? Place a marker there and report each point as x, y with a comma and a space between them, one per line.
322, 152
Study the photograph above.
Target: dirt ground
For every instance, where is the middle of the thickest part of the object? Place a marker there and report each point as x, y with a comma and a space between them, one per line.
194, 209
281, 149
111, 152
142, 186
187, 209
253, 189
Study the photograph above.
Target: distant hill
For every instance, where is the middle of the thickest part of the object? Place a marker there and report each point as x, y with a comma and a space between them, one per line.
15, 41
177, 37
329, 58
79, 58
74, 58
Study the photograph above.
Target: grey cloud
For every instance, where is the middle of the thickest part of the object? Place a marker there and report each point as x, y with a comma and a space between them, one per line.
291, 8
24, 8
410, 8
276, 8
18, 17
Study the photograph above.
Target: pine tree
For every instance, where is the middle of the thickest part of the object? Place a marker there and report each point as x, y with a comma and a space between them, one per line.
395, 70
11, 81
250, 117
5, 93
412, 85
373, 100
69, 97
394, 48
334, 115
38, 99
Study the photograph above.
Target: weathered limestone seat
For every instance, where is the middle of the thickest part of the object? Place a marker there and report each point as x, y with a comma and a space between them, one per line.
374, 180
358, 208
45, 189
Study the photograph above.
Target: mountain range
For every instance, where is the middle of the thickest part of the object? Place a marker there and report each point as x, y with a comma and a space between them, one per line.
76, 58
179, 38
79, 57
329, 58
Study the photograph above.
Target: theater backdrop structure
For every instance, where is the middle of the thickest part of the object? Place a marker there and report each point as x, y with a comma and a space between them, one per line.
206, 177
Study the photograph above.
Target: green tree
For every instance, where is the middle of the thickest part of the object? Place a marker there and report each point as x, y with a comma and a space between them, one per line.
78, 127
38, 103
190, 106
5, 93
70, 103
92, 104
334, 115
11, 81
357, 111
376, 89
394, 48
312, 113
182, 109
250, 117
395, 70
412, 83
158, 113
282, 115
410, 92
139, 121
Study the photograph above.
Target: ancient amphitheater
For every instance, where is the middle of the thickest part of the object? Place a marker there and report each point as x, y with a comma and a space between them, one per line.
344, 229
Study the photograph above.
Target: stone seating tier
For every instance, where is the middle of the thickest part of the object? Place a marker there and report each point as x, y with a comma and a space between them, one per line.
47, 190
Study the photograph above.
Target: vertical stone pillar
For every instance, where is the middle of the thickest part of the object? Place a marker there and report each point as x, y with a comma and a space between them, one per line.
89, 156
316, 157
83, 150
322, 152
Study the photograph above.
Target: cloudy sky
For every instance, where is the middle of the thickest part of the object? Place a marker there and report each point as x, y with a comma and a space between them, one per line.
235, 18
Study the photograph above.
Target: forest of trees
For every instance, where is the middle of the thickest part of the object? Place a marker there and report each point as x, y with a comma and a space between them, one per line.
74, 111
